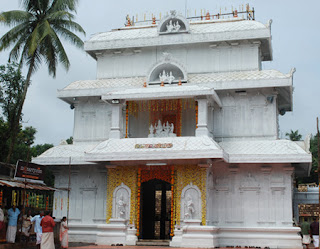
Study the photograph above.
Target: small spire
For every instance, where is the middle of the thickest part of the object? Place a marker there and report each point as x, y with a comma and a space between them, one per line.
145, 84
162, 83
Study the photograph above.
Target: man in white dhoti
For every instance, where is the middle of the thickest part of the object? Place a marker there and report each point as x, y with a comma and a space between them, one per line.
13, 214
47, 240
37, 228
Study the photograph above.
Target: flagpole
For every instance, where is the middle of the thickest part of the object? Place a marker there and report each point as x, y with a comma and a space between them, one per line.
68, 190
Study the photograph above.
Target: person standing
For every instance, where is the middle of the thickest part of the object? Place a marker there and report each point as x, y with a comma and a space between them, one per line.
2, 226
13, 214
314, 232
26, 224
64, 233
47, 240
305, 231
37, 228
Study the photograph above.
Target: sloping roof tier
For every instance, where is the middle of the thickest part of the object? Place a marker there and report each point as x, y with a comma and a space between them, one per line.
167, 92
222, 81
63, 154
175, 148
218, 81
155, 149
265, 151
200, 32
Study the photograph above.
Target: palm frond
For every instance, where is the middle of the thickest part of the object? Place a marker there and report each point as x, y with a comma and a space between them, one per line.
15, 17
64, 5
12, 36
70, 37
70, 25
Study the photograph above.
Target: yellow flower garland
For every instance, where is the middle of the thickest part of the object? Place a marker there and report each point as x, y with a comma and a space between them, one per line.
127, 176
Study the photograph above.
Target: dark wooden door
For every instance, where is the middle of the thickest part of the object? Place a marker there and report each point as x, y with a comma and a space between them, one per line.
156, 209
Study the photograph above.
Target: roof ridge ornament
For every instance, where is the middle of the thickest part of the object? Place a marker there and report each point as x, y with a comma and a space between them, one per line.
292, 71
173, 13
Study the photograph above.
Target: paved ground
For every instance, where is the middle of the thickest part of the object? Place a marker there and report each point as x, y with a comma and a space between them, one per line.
88, 246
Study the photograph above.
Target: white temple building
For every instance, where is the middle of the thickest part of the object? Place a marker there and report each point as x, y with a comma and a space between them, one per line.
178, 138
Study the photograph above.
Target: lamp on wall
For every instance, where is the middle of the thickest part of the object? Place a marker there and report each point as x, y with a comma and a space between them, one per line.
270, 99
115, 101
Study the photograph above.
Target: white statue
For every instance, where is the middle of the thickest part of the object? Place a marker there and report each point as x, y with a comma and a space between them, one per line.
171, 129
163, 76
161, 130
166, 77
151, 131
189, 207
177, 27
173, 27
121, 207
166, 130
170, 78
170, 26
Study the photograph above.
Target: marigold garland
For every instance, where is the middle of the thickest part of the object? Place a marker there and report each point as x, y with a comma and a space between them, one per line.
187, 174
127, 118
127, 176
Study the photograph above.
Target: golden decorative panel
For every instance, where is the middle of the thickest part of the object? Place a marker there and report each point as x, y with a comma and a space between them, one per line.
186, 174
127, 175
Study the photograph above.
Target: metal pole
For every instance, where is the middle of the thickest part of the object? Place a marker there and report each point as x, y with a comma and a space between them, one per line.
318, 139
68, 190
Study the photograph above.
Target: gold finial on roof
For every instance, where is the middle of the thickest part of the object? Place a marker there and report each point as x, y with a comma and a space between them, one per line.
145, 84
162, 83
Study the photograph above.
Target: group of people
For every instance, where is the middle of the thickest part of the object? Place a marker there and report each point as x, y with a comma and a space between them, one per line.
310, 231
43, 225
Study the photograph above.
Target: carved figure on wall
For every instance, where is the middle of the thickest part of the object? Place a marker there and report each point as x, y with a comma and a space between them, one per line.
191, 203
121, 202
161, 130
171, 129
151, 131
169, 26
189, 207
121, 206
173, 27
170, 78
166, 77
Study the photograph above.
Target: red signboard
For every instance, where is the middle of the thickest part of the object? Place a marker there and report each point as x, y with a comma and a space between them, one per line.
30, 171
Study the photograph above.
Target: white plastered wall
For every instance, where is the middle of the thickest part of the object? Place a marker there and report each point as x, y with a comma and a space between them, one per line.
249, 195
196, 58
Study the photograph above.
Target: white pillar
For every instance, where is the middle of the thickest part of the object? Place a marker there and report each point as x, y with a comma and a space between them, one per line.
202, 129
115, 131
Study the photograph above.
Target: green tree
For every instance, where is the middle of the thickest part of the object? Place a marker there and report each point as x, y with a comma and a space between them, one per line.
294, 135
12, 83
35, 38
313, 178
39, 149
70, 140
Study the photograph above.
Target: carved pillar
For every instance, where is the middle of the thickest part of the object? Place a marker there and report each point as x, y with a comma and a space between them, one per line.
202, 127
116, 108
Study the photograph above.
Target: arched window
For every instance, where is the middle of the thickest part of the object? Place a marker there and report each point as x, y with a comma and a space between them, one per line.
167, 72
173, 24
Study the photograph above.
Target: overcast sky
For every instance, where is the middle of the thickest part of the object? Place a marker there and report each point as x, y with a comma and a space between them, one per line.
295, 41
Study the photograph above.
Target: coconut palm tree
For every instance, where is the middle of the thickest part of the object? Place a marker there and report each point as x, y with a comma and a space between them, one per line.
35, 38
294, 135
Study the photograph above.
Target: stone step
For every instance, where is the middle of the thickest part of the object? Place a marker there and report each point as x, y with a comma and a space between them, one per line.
153, 242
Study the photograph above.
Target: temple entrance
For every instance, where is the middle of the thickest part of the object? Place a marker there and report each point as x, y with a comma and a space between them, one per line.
155, 209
